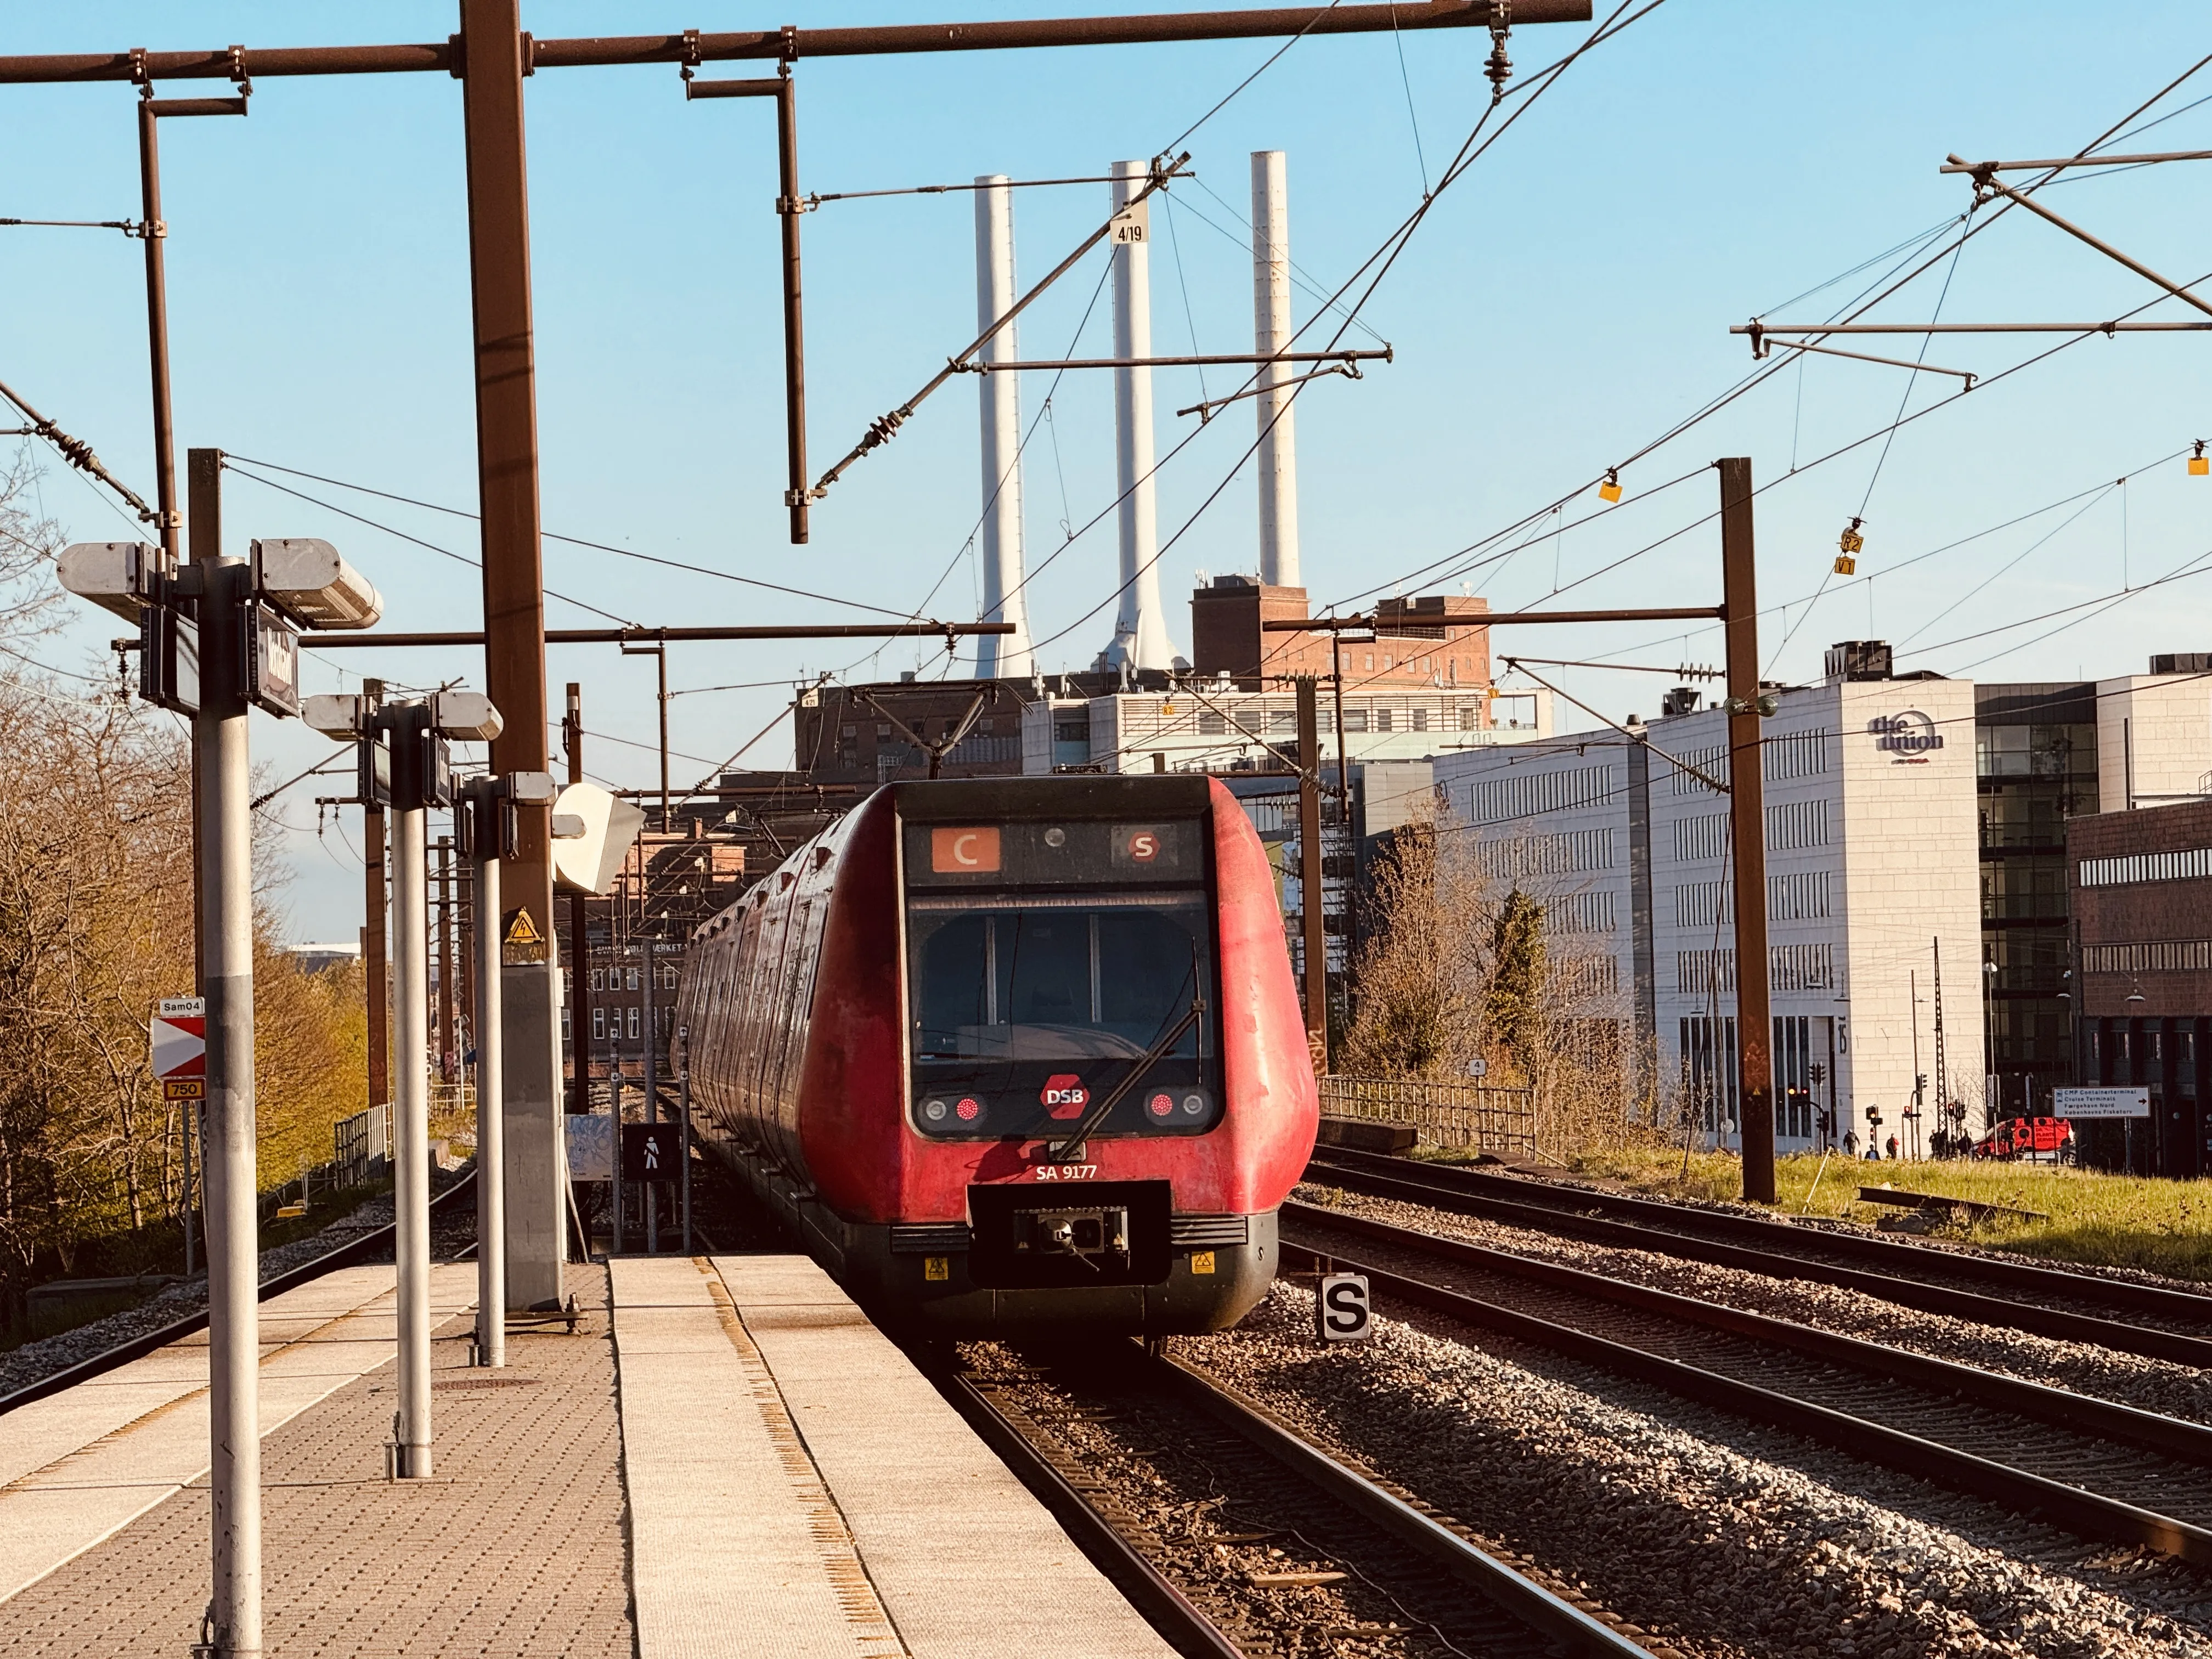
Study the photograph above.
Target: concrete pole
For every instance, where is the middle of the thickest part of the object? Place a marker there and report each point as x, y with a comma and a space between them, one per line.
1271, 332
229, 1148
1141, 635
410, 1127
491, 1118
1005, 655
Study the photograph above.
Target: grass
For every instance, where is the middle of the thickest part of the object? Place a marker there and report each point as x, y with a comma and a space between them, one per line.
2099, 1219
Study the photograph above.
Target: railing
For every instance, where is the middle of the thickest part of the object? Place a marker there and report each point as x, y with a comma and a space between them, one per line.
1460, 1116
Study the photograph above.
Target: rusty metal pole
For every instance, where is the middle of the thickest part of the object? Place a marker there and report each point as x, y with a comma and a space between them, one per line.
154, 233
374, 955
580, 946
205, 546
1309, 870
492, 67
788, 208
1747, 822
448, 1068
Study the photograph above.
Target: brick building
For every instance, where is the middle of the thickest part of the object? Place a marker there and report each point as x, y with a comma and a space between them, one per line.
2141, 897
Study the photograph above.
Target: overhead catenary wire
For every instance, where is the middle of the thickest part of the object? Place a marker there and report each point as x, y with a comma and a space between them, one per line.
572, 541
1385, 257
1865, 301
442, 552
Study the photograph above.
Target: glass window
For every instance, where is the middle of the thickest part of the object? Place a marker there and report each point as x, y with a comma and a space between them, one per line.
599, 979
1028, 1012
633, 982
598, 1025
1382, 719
632, 1022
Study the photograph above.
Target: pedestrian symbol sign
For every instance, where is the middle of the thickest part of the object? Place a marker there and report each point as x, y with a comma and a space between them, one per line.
651, 1151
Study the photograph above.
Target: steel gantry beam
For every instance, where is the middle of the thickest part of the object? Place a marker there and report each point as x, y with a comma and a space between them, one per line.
430, 56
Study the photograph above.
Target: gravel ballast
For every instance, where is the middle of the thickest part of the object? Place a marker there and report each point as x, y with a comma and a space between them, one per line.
2153, 1385
1727, 1538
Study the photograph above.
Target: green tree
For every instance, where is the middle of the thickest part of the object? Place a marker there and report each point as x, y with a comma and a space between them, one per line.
1513, 999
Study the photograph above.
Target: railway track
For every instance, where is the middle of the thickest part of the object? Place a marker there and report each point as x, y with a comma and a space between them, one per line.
2148, 1320
1236, 1536
355, 1251
2097, 1469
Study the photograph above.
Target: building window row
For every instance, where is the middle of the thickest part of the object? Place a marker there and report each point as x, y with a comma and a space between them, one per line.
1800, 896
1568, 853
2162, 956
1713, 761
1789, 968
1801, 967
621, 978
1525, 795
2189, 865
1797, 823
1580, 913
1797, 755
1578, 979
1701, 838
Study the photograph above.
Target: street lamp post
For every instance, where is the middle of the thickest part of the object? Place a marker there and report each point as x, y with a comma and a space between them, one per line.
215, 640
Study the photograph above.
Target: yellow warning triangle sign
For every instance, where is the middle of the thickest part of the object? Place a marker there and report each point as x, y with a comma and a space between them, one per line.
523, 931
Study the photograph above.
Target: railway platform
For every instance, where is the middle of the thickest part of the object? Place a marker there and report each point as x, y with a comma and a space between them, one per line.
725, 1459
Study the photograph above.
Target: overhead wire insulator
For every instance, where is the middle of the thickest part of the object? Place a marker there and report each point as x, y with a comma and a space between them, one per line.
1499, 67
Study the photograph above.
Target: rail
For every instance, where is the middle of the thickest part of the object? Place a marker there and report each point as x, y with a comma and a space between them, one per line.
1452, 1116
1912, 1275
146, 1342
1910, 1419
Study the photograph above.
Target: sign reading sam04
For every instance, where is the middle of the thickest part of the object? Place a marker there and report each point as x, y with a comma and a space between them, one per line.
1909, 733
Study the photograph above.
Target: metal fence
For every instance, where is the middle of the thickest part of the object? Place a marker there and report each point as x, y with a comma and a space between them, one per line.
364, 1146
1462, 1116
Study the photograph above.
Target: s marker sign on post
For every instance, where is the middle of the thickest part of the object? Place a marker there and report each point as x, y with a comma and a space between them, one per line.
1343, 1312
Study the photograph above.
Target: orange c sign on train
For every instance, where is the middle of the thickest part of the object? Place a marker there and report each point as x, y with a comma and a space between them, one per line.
971, 850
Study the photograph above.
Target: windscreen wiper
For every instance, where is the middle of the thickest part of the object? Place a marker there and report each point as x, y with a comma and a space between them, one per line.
1064, 1151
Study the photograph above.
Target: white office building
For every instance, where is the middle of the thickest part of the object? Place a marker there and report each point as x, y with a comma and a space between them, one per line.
1212, 727
1872, 889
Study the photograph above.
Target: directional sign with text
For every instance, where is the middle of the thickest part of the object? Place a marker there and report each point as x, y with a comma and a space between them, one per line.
180, 1037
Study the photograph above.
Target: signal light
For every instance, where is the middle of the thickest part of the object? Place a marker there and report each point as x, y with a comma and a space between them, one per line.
1610, 489
1161, 1104
969, 1108
2200, 463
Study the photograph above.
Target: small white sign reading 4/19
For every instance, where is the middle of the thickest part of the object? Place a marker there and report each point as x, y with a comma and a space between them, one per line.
1343, 1311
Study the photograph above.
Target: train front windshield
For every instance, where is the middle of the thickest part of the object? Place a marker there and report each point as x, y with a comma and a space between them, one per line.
1028, 1007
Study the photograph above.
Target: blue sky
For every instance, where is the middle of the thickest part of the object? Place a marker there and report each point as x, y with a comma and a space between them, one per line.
1566, 302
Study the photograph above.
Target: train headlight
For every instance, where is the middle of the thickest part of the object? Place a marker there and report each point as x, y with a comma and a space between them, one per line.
934, 1110
969, 1108
1161, 1104
1194, 1105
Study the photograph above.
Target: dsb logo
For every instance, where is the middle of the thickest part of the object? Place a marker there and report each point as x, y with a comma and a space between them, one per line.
1065, 1094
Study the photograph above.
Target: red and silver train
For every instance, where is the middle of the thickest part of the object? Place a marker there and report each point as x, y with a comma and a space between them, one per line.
1015, 1053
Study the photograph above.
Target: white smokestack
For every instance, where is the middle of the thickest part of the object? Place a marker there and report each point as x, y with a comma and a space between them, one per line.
1140, 635
1271, 332
999, 655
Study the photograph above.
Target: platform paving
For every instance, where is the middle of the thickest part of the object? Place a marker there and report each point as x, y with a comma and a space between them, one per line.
727, 1459
516, 1548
